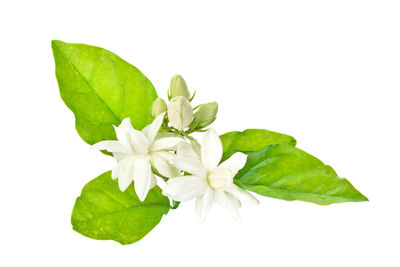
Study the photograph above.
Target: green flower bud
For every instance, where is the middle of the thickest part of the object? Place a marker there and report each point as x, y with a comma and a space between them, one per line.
159, 106
205, 115
178, 87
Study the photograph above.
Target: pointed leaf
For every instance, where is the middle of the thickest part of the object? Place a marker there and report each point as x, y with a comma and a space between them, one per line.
104, 212
101, 89
288, 173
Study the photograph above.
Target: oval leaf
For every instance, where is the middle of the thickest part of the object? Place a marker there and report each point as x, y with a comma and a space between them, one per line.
101, 89
288, 173
252, 140
104, 212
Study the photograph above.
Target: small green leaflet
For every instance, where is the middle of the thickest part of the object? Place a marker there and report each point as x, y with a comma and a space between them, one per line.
286, 172
252, 140
104, 212
101, 89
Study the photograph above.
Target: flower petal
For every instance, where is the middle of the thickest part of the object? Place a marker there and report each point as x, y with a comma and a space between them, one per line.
110, 146
191, 167
233, 200
163, 167
119, 156
126, 124
166, 143
122, 132
228, 202
142, 176
139, 141
242, 194
115, 171
211, 150
203, 204
188, 160
186, 152
152, 129
196, 146
234, 163
185, 187
153, 181
168, 156
132, 139
125, 173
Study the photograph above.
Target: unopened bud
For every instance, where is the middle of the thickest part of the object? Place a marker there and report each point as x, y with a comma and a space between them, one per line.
159, 106
180, 113
205, 115
178, 87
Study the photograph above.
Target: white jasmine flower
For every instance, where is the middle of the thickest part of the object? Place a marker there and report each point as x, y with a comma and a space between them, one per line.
137, 151
180, 113
209, 181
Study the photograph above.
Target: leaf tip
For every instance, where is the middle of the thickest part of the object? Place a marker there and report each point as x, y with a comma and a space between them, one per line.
57, 44
363, 198
54, 43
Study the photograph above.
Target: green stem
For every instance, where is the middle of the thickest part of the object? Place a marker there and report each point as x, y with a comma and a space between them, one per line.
187, 136
190, 100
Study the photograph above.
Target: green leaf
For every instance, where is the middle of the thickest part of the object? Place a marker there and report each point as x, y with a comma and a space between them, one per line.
104, 212
286, 172
101, 89
252, 140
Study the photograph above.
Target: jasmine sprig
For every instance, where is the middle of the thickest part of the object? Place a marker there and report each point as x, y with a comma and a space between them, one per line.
118, 110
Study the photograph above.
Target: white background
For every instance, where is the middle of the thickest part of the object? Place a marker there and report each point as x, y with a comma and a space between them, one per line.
326, 72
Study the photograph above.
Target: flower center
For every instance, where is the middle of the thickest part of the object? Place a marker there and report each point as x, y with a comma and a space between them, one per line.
219, 179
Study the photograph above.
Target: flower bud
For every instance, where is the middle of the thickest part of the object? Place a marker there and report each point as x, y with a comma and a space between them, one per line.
159, 106
180, 113
205, 115
178, 87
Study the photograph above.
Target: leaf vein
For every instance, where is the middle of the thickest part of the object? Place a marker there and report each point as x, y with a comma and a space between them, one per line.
88, 84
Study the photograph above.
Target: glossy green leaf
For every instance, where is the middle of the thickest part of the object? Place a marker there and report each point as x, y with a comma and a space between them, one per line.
104, 212
252, 140
101, 89
288, 173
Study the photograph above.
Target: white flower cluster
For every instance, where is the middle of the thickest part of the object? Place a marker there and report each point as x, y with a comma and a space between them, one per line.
165, 149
